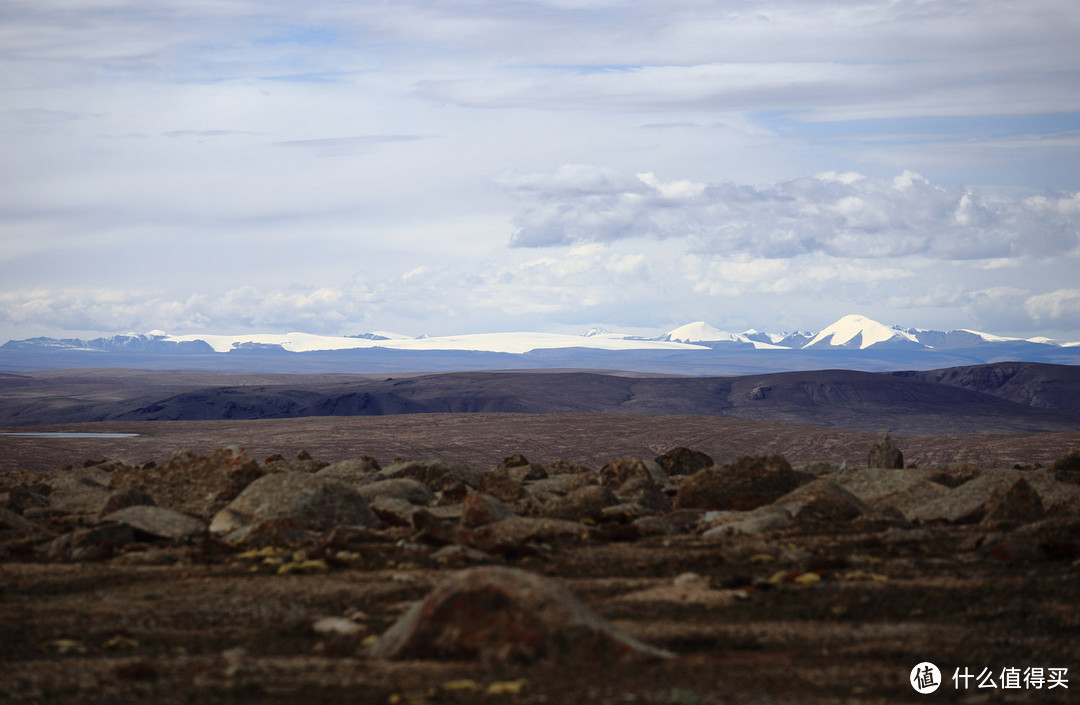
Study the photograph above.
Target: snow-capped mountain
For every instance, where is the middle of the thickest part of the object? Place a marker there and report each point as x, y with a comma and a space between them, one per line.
853, 342
860, 332
702, 332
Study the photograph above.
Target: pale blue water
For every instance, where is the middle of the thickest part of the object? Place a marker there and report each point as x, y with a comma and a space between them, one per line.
67, 434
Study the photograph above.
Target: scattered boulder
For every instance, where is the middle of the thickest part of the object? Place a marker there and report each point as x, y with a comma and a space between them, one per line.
278, 533
683, 461
519, 468
158, 522
92, 544
741, 484
644, 493
402, 488
617, 473
436, 474
586, 502
15, 522
884, 453
1069, 461
822, 500
79, 490
565, 467
967, 503
758, 521
311, 501
1067, 467
502, 485
1017, 503
480, 509
505, 615
126, 497
902, 491
354, 471
19, 498
522, 535
198, 485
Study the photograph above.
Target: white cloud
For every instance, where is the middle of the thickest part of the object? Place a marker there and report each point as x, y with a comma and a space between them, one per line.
1061, 307
843, 215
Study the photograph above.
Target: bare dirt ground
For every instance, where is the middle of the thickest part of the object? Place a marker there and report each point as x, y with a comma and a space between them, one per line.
482, 440
814, 612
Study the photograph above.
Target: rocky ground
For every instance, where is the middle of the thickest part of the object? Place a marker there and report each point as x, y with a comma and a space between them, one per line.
212, 576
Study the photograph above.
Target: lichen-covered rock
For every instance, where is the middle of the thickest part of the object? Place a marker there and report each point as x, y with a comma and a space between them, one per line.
741, 484
126, 497
504, 615
311, 501
884, 453
502, 485
519, 468
586, 502
822, 500
684, 461
354, 471
79, 490
92, 544
436, 474
402, 488
1017, 503
199, 485
158, 522
565, 467
618, 472
522, 535
480, 509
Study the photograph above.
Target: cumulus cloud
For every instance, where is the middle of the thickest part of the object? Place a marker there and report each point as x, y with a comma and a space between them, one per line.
1059, 307
839, 214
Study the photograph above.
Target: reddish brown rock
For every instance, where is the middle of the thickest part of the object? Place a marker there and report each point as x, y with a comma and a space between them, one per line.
618, 472
480, 509
741, 484
822, 500
199, 485
587, 502
884, 453
1017, 503
684, 461
504, 615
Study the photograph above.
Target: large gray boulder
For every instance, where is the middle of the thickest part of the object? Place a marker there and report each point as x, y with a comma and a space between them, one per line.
741, 484
309, 501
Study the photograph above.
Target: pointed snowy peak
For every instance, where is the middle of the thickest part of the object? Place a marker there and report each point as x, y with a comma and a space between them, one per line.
701, 332
593, 332
856, 331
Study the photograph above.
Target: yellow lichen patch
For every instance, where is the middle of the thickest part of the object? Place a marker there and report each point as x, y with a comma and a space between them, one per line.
762, 558
304, 567
463, 684
266, 552
506, 687
121, 642
807, 579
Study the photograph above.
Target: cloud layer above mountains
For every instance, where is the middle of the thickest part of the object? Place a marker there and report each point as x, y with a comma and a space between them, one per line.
542, 164
837, 214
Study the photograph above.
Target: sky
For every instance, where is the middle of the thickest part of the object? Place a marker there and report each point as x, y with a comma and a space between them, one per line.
468, 166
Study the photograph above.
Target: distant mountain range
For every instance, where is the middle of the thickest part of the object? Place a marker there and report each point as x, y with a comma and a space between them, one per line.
1008, 397
853, 342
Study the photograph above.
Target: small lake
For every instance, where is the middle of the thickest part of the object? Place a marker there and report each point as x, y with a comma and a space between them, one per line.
66, 434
